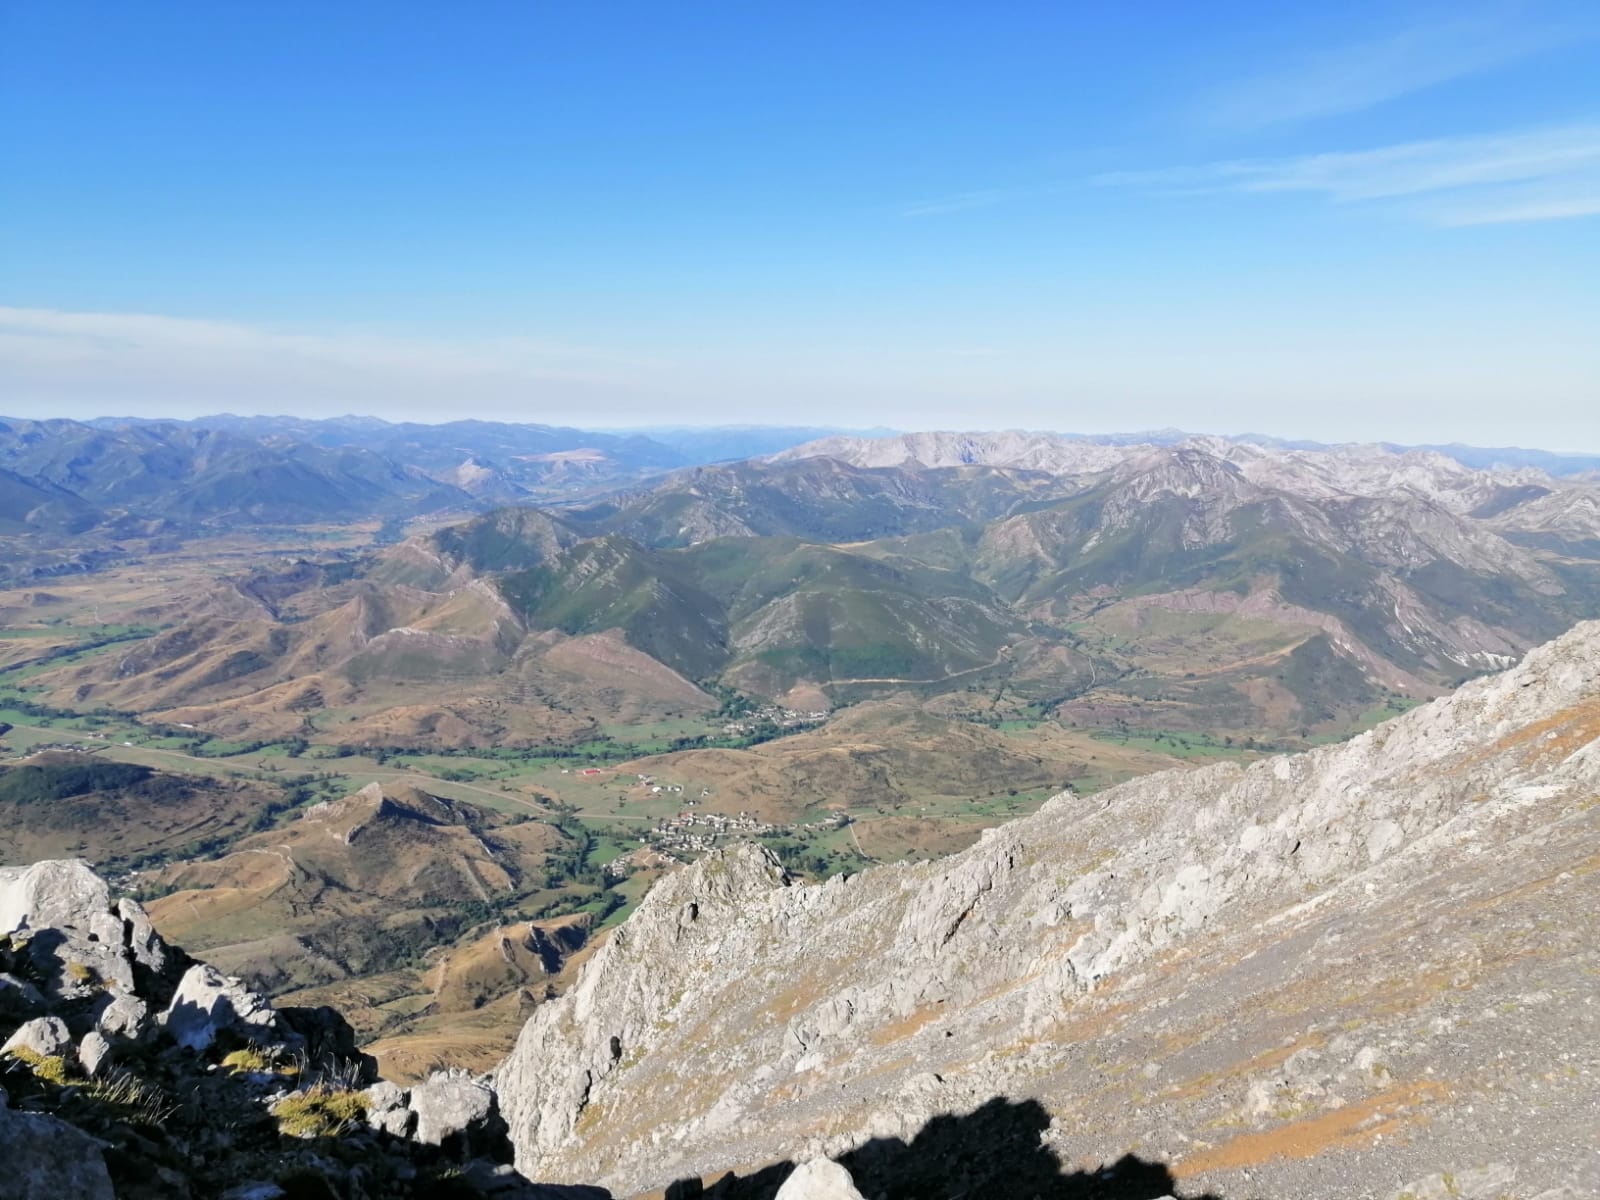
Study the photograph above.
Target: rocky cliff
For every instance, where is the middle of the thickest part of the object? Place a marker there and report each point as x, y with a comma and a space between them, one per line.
1368, 970
128, 1071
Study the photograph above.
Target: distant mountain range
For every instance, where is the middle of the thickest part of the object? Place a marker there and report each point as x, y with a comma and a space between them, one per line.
69, 489
121, 475
62, 476
1212, 585
65, 475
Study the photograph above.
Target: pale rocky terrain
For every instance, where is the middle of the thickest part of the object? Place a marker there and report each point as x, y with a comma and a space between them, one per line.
1514, 499
1369, 970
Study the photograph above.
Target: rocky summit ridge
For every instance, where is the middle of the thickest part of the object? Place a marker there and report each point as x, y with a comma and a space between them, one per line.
1365, 970
129, 1071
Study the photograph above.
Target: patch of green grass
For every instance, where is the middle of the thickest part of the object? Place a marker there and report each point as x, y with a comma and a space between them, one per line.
52, 1068
604, 849
247, 1060
319, 1112
1177, 743
632, 890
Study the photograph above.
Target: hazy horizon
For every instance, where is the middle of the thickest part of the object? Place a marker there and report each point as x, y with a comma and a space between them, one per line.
877, 431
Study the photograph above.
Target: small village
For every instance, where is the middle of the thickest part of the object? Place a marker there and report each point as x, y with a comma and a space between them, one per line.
771, 714
691, 833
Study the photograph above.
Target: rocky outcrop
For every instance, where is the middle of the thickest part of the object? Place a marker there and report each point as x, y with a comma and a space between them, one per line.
819, 1179
130, 1070
78, 944
45, 1156
1261, 974
60, 894
208, 1005
452, 1106
44, 1036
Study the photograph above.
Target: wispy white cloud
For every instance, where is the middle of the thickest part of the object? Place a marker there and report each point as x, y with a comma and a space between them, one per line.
987, 198
1513, 209
1361, 75
135, 358
960, 202
53, 332
1533, 175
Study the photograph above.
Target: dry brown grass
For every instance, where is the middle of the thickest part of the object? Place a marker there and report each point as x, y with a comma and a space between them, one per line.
1207, 1084
906, 1026
1573, 728
1346, 1128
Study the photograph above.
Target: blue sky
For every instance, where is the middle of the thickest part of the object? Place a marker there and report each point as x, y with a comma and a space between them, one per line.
1348, 222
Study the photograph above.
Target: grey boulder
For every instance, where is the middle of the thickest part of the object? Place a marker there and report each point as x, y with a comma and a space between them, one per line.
46, 1036
819, 1179
57, 893
453, 1107
44, 1156
125, 1016
207, 1003
386, 1108
93, 1052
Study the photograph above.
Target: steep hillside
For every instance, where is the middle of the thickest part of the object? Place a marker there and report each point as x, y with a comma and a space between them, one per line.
310, 654
897, 762
356, 885
56, 805
815, 497
612, 582
507, 539
190, 474
32, 506
407, 912
1366, 970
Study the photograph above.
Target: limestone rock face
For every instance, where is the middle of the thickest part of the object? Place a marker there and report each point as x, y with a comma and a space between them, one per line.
819, 1179
125, 1016
387, 1109
452, 1106
1145, 966
58, 893
44, 1156
630, 984
58, 915
46, 1036
93, 1052
208, 1003
141, 938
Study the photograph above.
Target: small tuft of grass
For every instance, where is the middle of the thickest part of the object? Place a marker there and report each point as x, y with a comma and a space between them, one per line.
246, 1060
80, 973
319, 1112
140, 1101
52, 1068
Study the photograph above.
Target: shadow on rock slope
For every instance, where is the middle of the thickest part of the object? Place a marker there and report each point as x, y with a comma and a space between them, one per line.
997, 1150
